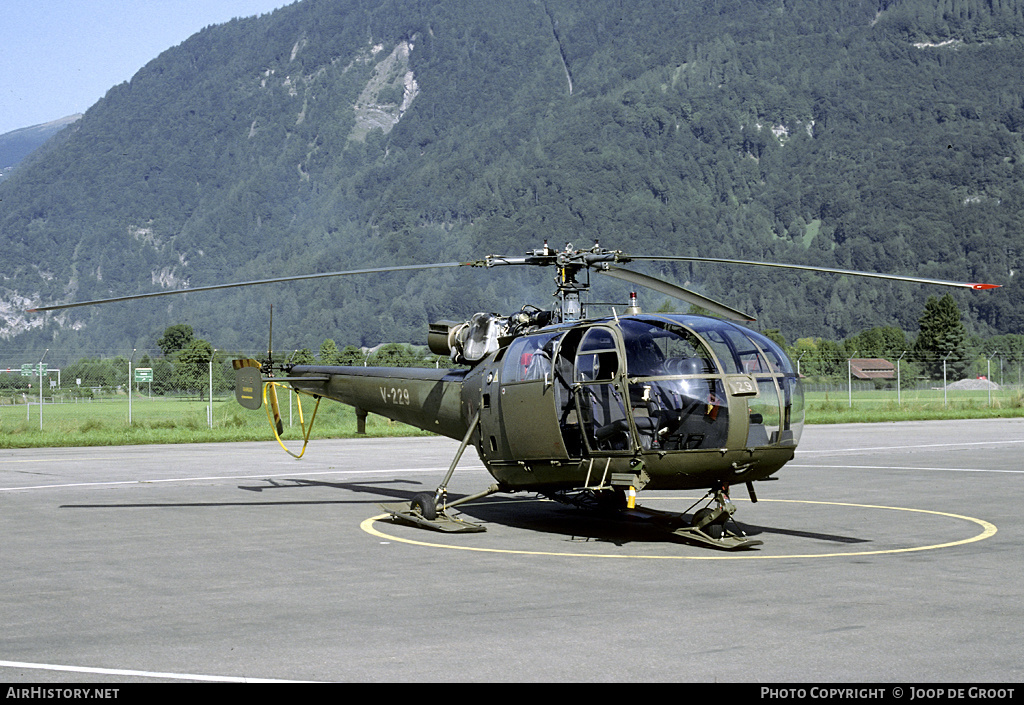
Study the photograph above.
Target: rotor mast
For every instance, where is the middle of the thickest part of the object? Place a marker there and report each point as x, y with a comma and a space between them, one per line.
568, 263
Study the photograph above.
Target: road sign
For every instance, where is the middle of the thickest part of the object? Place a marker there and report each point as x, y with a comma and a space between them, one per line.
143, 374
26, 370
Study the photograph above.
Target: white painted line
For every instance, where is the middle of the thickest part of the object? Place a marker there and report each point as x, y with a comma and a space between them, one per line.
892, 467
832, 451
297, 475
141, 674
11, 461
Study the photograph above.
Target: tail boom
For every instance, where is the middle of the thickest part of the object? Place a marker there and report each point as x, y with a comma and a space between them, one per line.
427, 399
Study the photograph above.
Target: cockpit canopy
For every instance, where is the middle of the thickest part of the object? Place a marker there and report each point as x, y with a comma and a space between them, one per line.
661, 382
687, 345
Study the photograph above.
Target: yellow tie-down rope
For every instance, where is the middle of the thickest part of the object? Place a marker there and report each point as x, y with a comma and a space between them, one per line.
272, 405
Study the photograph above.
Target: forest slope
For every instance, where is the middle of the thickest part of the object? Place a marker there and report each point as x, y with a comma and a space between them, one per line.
335, 134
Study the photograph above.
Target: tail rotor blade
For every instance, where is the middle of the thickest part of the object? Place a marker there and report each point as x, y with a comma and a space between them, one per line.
275, 407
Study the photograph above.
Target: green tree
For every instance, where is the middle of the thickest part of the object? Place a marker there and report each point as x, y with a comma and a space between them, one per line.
775, 335
191, 367
329, 353
175, 338
400, 355
804, 355
942, 339
94, 372
302, 357
351, 355
163, 376
881, 341
831, 358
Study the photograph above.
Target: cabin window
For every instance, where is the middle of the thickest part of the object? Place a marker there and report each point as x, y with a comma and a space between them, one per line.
600, 402
653, 350
597, 359
529, 358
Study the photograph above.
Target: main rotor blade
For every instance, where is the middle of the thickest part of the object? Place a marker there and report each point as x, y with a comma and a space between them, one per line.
807, 268
677, 292
299, 277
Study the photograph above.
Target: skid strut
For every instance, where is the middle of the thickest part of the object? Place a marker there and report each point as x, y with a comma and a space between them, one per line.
430, 510
710, 525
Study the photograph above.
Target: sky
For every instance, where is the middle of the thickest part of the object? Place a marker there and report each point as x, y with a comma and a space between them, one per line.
58, 57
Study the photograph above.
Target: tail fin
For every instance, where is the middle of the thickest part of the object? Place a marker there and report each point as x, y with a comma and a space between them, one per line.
248, 383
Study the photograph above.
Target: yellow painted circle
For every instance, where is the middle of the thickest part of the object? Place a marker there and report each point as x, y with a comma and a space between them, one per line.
988, 529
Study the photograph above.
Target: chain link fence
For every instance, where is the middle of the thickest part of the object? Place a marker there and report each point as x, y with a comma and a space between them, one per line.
142, 391
145, 390
994, 381
97, 392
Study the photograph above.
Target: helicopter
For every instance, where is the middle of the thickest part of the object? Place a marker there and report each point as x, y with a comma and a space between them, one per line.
583, 410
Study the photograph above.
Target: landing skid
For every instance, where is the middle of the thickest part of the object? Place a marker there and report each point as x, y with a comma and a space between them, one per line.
729, 541
706, 528
442, 521
711, 526
698, 534
429, 510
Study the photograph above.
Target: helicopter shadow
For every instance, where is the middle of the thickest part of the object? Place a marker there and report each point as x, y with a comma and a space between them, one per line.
753, 530
544, 516
272, 484
528, 513
376, 488
518, 512
539, 515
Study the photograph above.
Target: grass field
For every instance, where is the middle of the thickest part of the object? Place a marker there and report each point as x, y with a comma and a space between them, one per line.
912, 405
160, 420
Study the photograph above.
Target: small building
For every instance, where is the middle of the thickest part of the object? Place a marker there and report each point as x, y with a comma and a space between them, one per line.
872, 368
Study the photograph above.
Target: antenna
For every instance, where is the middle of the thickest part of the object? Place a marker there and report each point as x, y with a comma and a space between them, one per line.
270, 339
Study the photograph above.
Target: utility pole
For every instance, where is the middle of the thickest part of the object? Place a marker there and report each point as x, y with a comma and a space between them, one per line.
42, 371
128, 386
849, 375
945, 391
899, 382
209, 413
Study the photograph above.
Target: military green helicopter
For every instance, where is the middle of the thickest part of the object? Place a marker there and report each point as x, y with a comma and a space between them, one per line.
586, 411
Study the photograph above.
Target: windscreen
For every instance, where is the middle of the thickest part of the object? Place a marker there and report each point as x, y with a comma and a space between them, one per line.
676, 393
777, 412
677, 367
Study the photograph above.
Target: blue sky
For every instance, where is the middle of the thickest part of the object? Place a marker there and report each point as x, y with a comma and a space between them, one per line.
58, 57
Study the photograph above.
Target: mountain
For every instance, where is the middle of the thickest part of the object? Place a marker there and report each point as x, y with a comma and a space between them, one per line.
337, 134
18, 144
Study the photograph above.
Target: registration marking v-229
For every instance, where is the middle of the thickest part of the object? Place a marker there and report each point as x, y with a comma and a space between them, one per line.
397, 396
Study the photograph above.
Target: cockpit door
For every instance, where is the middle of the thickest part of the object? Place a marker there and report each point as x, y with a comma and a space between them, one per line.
600, 396
528, 398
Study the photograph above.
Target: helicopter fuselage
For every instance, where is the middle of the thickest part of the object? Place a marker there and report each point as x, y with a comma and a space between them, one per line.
657, 401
